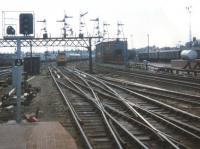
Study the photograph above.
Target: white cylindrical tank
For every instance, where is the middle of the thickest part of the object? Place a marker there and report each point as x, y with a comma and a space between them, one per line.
189, 54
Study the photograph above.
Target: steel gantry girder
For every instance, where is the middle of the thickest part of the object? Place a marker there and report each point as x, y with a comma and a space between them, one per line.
24, 41
86, 42
40, 42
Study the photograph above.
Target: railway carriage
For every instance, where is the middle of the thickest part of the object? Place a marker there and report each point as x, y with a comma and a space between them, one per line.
165, 55
153, 56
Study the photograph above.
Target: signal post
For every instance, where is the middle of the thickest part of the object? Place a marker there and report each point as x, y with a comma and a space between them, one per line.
26, 27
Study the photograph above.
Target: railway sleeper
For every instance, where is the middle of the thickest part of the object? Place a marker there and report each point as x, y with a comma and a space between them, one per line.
139, 130
167, 123
192, 129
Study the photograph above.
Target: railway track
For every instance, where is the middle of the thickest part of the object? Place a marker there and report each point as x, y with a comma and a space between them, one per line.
163, 75
137, 135
89, 121
177, 99
165, 81
4, 75
5, 72
6, 67
142, 133
166, 127
154, 105
166, 110
166, 75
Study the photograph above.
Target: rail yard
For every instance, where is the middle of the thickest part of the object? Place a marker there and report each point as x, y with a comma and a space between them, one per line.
106, 102
92, 90
130, 108
117, 108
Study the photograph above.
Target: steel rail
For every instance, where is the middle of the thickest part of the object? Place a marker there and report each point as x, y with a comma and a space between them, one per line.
163, 80
166, 121
150, 87
171, 76
183, 124
86, 141
145, 92
176, 127
194, 136
115, 120
153, 75
130, 107
145, 127
102, 108
160, 95
119, 125
99, 108
155, 101
154, 114
5, 73
192, 102
8, 67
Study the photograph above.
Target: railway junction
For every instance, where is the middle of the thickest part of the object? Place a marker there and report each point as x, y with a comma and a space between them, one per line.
110, 108
99, 103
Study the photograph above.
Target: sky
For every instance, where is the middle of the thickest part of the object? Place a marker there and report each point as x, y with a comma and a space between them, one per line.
166, 21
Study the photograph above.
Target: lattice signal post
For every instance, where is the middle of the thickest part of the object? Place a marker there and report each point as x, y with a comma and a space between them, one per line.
26, 27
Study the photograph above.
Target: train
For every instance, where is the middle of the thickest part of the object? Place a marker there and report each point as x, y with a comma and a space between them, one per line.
61, 59
77, 57
165, 55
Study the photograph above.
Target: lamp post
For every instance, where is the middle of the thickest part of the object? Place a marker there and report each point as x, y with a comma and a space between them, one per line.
148, 45
132, 41
190, 30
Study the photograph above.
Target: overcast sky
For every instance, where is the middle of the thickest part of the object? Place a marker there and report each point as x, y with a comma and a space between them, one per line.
166, 21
